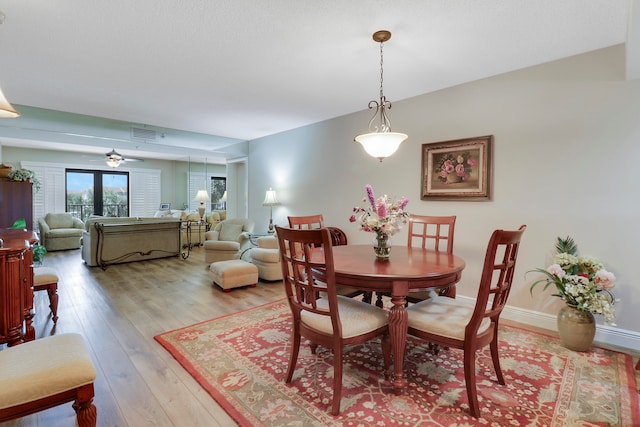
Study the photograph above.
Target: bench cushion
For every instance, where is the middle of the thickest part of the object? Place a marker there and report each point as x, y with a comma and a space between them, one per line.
44, 367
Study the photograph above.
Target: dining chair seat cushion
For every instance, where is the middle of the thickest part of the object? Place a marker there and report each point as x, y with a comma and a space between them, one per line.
44, 367
443, 316
357, 317
44, 276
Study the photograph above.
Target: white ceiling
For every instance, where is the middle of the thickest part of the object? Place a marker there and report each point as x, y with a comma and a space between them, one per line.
244, 69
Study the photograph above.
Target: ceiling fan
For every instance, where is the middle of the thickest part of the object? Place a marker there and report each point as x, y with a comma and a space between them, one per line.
114, 159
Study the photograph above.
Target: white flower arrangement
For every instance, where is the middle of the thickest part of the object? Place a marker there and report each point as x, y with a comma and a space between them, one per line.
581, 281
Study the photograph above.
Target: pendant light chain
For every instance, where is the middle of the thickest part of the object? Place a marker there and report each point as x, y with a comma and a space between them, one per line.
381, 72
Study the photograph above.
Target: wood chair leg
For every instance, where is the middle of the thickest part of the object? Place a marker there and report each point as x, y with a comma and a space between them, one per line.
496, 361
337, 380
386, 355
470, 381
293, 359
52, 291
379, 303
86, 413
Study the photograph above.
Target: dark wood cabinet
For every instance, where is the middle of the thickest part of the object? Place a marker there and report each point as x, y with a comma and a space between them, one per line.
16, 201
16, 286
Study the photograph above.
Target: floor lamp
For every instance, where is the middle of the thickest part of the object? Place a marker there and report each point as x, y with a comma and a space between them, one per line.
271, 200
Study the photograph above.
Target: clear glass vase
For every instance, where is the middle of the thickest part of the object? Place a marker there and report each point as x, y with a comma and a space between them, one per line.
382, 245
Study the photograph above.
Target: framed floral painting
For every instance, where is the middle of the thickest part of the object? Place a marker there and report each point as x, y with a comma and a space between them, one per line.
457, 170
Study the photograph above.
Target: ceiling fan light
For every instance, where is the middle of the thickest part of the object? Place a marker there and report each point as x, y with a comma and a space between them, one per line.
113, 162
381, 144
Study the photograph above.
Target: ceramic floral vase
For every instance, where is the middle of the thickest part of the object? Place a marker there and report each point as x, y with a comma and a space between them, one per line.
577, 328
382, 245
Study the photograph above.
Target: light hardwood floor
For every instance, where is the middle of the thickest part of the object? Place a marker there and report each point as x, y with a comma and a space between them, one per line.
119, 311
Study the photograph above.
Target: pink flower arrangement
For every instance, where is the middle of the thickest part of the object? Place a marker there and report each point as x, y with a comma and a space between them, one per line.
383, 215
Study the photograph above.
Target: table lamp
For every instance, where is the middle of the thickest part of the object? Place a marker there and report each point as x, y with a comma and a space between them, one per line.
202, 196
271, 200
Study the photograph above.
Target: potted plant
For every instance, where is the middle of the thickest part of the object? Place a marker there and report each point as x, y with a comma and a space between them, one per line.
585, 286
5, 170
25, 175
39, 252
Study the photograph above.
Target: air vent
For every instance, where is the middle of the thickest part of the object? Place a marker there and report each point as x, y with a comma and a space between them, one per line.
144, 134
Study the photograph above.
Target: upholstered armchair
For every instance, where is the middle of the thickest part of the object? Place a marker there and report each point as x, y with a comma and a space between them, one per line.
60, 231
267, 258
228, 240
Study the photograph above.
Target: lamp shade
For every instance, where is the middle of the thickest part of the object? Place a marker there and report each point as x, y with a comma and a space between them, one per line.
6, 110
224, 196
202, 196
271, 198
381, 144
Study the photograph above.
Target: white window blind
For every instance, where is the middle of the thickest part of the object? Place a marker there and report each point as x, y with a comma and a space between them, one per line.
144, 198
51, 197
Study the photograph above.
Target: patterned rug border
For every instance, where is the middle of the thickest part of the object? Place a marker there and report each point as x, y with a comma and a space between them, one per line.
246, 419
220, 398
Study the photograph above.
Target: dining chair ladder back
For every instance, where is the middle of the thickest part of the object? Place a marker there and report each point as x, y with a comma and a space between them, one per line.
314, 222
428, 232
332, 321
476, 326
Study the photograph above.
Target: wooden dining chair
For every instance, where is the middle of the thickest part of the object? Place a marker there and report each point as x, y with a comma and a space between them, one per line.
314, 222
449, 323
332, 321
308, 222
428, 232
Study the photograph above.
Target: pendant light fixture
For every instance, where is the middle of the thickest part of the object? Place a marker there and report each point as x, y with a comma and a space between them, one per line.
6, 110
380, 142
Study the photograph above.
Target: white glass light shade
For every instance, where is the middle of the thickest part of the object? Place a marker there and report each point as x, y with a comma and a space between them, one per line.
271, 198
6, 110
381, 144
113, 162
202, 196
224, 197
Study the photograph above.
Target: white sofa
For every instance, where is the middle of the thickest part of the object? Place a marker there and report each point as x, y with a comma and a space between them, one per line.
109, 240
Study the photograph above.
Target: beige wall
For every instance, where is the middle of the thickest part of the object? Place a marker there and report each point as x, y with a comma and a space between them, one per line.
567, 141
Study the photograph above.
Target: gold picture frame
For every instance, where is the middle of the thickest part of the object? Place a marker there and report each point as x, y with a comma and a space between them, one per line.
459, 169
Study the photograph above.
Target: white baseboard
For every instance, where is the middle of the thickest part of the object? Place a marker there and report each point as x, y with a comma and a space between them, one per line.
609, 335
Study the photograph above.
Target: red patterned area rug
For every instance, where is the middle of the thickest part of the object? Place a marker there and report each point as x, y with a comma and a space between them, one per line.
241, 360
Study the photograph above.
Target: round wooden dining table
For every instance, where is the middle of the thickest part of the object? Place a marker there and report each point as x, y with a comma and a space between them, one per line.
407, 268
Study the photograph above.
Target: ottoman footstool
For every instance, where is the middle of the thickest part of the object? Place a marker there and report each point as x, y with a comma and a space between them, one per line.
233, 274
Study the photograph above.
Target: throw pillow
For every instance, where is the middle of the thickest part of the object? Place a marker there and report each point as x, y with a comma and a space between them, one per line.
229, 232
